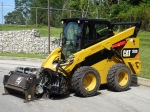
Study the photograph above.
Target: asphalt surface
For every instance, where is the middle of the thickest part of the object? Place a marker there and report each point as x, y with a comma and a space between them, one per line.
137, 99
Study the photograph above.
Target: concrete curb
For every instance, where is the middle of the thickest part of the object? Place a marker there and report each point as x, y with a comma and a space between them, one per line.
141, 81
135, 79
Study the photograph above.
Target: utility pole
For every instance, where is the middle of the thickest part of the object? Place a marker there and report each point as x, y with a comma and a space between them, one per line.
48, 26
36, 16
2, 13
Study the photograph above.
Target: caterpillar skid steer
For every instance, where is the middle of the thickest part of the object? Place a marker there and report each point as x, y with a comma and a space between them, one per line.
90, 54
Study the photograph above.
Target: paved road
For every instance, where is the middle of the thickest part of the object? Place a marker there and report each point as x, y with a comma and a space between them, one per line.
137, 99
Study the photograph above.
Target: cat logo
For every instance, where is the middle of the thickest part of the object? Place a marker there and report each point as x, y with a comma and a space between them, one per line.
19, 79
126, 53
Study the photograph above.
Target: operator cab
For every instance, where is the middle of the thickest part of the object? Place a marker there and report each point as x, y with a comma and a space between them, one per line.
80, 33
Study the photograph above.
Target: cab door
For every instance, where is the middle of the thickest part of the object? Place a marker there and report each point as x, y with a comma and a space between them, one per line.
93, 34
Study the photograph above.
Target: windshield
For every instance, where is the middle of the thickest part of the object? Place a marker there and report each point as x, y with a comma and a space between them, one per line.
70, 39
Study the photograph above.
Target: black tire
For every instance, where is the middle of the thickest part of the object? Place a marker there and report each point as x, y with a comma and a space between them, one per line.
119, 77
82, 79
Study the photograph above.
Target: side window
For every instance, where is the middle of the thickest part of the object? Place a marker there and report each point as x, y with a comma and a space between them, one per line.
87, 31
88, 34
101, 30
95, 32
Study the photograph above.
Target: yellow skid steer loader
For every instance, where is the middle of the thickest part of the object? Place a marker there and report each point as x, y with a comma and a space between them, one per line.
90, 54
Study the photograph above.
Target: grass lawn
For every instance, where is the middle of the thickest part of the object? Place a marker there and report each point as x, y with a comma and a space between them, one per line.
145, 53
41, 56
54, 32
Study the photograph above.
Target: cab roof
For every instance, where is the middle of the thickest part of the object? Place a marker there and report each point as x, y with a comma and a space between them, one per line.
84, 19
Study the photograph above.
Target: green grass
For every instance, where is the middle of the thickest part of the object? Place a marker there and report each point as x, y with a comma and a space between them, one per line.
54, 32
41, 56
145, 53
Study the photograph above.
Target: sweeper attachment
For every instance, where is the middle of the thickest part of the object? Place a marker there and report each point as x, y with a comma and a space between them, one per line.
91, 54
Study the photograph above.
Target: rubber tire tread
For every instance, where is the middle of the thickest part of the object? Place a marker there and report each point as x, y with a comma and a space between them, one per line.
112, 83
77, 80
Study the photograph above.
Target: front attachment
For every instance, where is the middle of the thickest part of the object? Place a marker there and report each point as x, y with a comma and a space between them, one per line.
22, 80
35, 83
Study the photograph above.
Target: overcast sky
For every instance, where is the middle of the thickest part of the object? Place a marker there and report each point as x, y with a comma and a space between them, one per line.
7, 7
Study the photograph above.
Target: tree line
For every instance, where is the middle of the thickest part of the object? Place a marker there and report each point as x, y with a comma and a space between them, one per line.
35, 11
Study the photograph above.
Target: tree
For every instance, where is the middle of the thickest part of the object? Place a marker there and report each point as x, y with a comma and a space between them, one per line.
23, 7
125, 10
14, 17
42, 13
83, 8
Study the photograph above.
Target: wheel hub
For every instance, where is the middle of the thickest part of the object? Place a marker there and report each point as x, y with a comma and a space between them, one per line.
123, 78
89, 82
